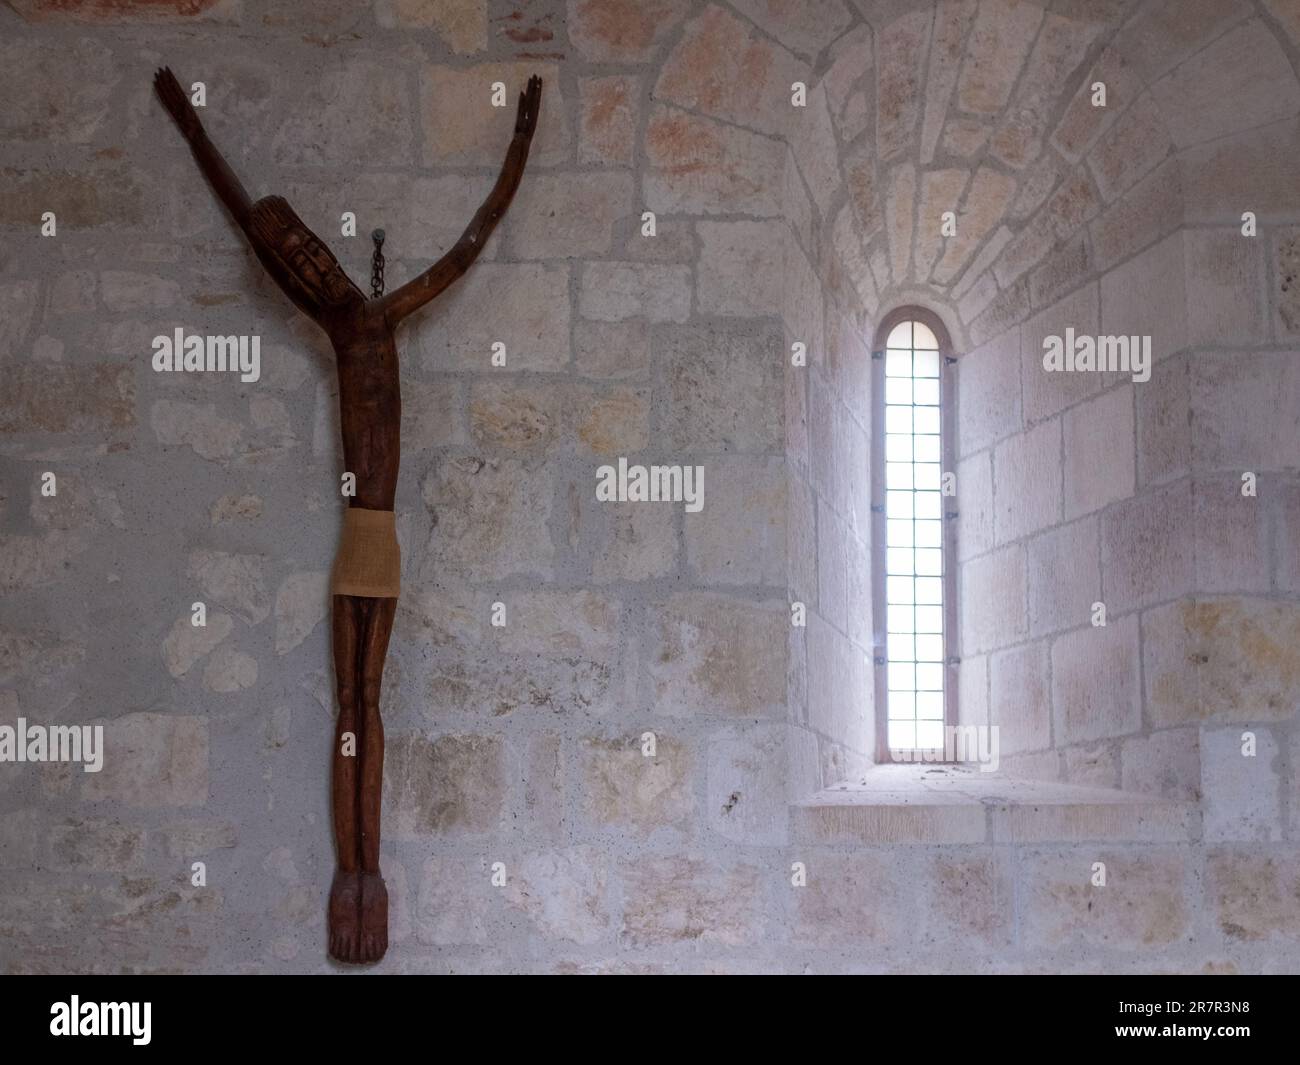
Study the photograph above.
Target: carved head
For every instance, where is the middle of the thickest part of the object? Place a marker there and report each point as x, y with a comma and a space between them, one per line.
309, 266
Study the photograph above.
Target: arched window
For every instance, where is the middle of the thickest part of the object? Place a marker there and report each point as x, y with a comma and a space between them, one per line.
913, 555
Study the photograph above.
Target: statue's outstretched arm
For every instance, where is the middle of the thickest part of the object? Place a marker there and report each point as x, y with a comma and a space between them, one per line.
224, 183
308, 295
420, 290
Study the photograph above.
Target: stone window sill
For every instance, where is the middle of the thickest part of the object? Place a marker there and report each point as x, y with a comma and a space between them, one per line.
960, 804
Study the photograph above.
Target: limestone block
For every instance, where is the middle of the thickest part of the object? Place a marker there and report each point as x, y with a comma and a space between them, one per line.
1027, 481
462, 128
992, 600
723, 67
1145, 902
610, 108
718, 655
1146, 548
1020, 698
1098, 449
563, 893
739, 536
1220, 660
1096, 685
453, 785
685, 899
623, 786
622, 31
1242, 793
569, 215
152, 759
1064, 577
612, 292
695, 165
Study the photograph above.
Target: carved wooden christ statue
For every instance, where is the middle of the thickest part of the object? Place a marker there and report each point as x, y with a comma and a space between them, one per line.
365, 579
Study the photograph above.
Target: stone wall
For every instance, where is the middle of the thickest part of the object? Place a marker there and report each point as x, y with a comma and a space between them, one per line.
1145, 508
1082, 488
521, 744
776, 224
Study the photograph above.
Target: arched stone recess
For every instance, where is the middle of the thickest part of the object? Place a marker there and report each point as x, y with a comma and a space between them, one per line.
1104, 162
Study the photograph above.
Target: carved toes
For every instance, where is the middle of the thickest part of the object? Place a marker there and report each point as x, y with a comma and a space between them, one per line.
373, 946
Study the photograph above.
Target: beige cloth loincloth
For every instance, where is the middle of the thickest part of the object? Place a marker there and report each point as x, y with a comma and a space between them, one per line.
369, 560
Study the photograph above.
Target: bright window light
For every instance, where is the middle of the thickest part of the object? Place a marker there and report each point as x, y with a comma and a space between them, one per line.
914, 559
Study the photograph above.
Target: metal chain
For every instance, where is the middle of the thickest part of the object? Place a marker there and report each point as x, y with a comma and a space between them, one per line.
377, 265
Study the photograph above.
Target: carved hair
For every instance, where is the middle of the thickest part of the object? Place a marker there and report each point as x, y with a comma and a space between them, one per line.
270, 217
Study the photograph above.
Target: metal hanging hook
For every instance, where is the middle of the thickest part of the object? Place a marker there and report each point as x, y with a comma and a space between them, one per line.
377, 264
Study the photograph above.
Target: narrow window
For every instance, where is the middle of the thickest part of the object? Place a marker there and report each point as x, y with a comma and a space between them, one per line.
913, 557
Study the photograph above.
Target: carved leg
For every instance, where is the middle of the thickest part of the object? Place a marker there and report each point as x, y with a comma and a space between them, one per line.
345, 893
374, 895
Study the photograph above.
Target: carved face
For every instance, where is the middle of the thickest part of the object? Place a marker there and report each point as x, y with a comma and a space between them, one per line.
310, 266
313, 265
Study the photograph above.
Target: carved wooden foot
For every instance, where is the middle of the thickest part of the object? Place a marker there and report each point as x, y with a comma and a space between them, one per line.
374, 918
344, 918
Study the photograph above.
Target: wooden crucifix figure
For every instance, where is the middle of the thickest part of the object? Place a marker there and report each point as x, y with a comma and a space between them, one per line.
365, 579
